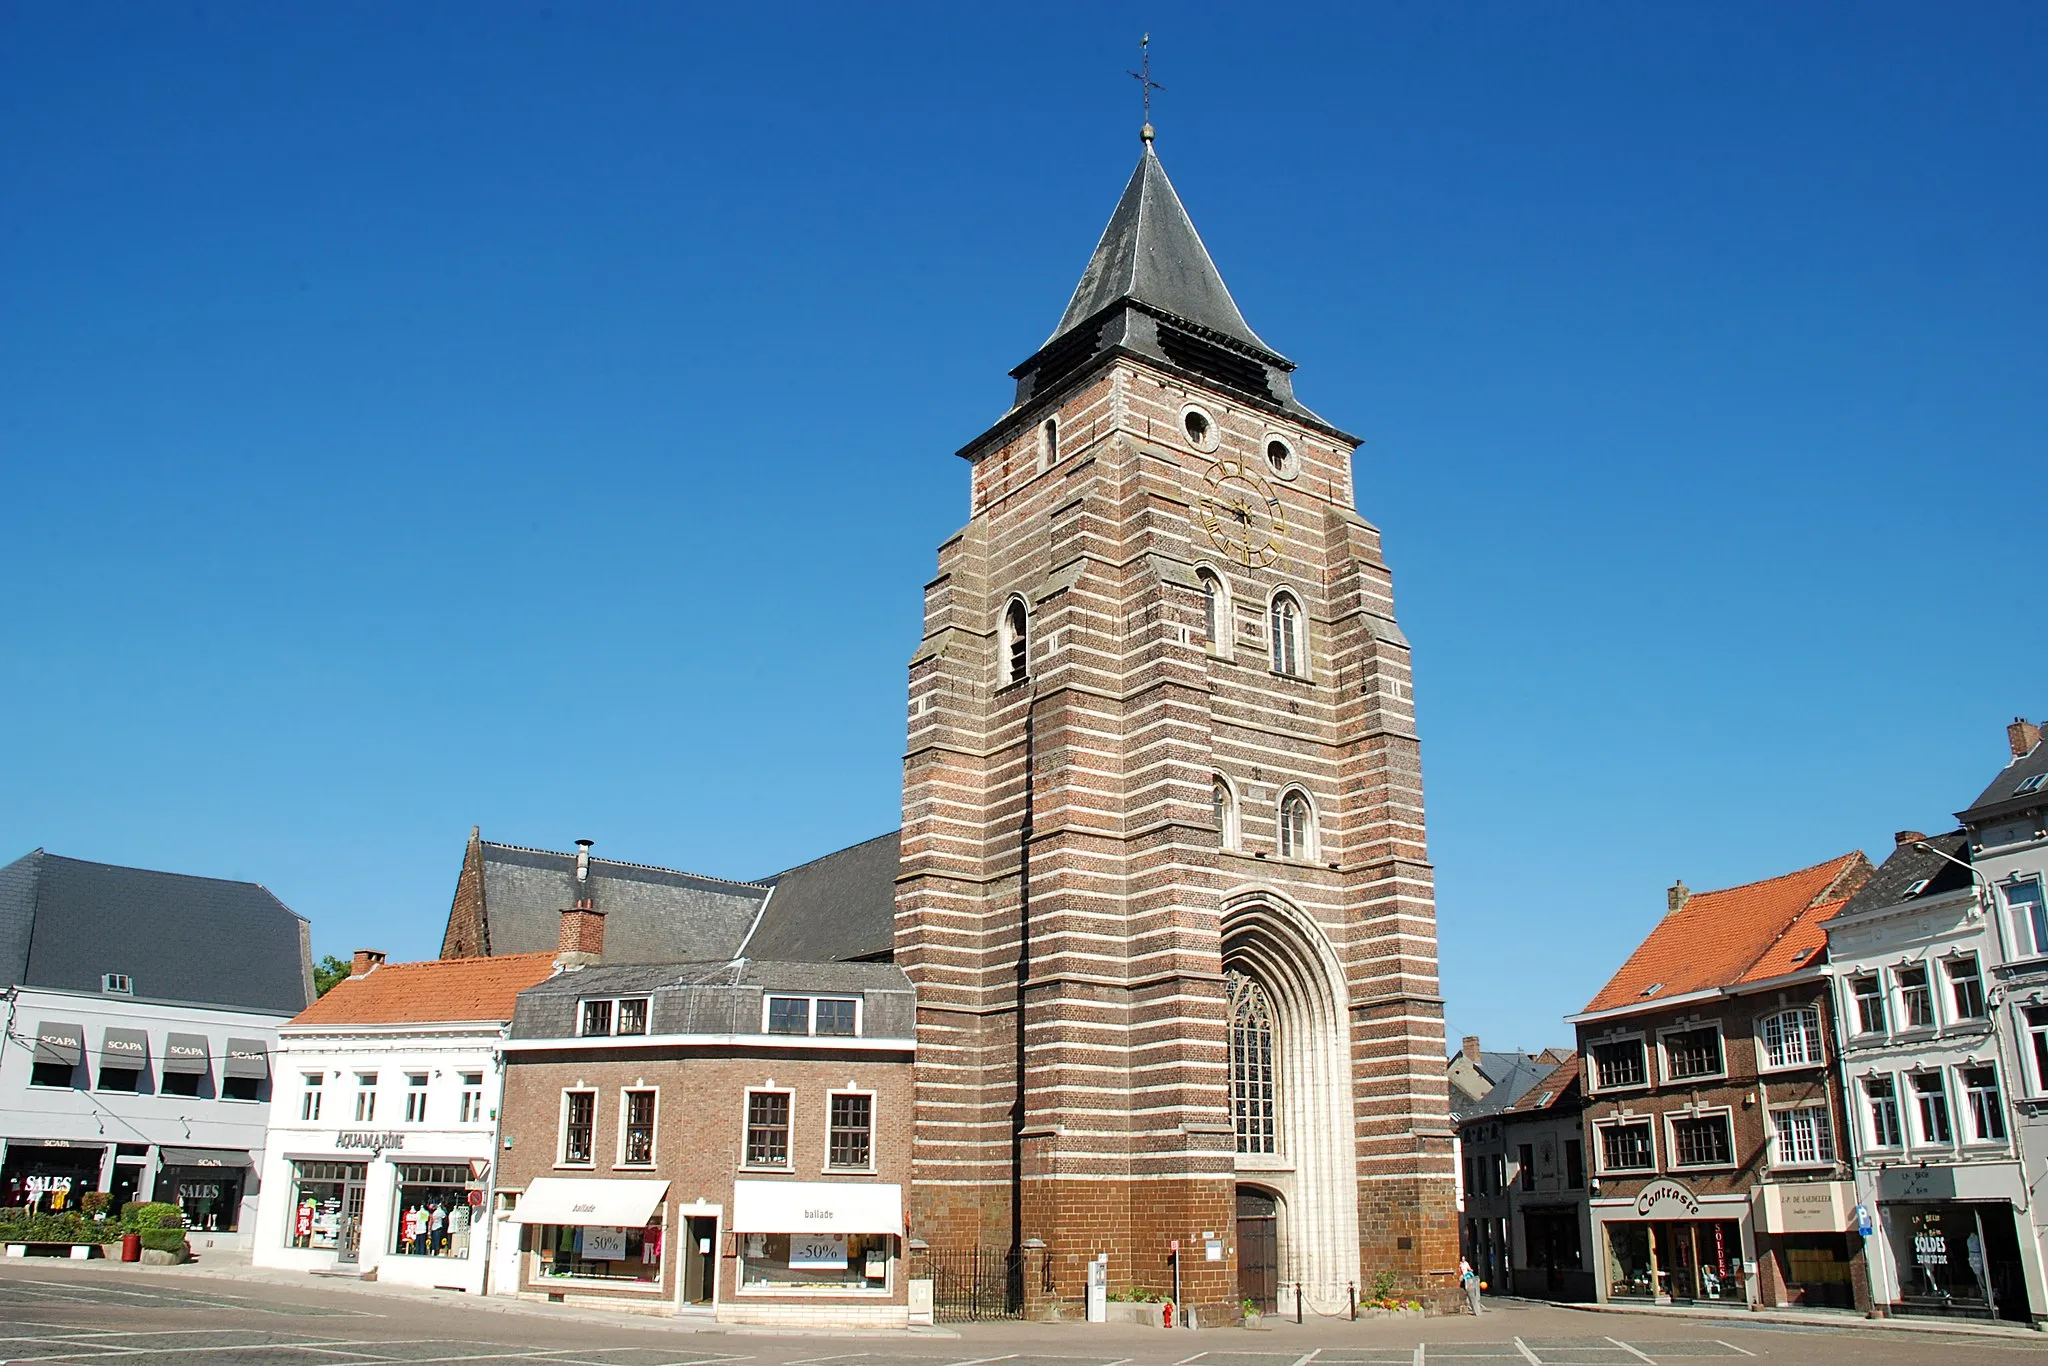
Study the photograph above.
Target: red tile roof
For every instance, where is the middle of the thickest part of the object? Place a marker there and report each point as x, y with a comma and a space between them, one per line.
441, 990
1556, 1088
1721, 939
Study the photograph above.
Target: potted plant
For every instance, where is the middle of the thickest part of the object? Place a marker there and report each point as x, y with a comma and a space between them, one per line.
1251, 1313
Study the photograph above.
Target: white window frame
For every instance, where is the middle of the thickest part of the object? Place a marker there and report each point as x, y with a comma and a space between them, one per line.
2023, 929
1765, 1063
1648, 1123
1950, 982
1823, 1132
811, 1013
1856, 999
653, 1132
2036, 1019
562, 1131
1727, 1115
312, 1095
874, 1128
1919, 1136
1664, 1053
472, 1109
1642, 1043
788, 1163
1998, 1107
1223, 638
1312, 834
366, 1098
1291, 662
1231, 836
1903, 1019
416, 1086
611, 1030
1898, 1107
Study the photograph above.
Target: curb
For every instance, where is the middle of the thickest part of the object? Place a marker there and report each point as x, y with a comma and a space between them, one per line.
1845, 1324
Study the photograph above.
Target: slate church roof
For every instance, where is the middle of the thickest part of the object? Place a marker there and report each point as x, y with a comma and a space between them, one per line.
840, 907
65, 923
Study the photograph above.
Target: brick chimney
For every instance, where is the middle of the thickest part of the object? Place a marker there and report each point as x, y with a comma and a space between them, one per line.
364, 960
2022, 735
582, 939
1676, 897
1905, 837
1469, 1046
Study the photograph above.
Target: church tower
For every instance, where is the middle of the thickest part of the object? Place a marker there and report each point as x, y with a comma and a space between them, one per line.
1163, 850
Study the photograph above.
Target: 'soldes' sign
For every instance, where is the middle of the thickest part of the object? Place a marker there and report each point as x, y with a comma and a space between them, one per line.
1666, 1200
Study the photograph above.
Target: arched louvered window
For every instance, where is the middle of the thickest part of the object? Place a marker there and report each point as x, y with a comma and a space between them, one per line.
1016, 643
1252, 1091
1224, 802
1052, 441
1297, 827
1289, 656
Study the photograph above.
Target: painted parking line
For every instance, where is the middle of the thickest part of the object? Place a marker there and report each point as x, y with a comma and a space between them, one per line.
1636, 1352
635, 1356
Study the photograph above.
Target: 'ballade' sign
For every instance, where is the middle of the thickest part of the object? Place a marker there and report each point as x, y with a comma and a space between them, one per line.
374, 1142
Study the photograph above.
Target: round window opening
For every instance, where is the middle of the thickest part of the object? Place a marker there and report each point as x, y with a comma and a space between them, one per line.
1280, 456
1198, 426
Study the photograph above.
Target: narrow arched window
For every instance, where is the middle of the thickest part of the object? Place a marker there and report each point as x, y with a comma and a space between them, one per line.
1052, 441
1016, 643
1215, 608
1297, 827
1252, 1098
1288, 654
1224, 804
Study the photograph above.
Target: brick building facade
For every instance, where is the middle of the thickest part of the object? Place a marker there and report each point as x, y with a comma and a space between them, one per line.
1163, 842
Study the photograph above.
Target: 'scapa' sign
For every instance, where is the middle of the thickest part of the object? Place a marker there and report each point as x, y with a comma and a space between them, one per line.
1666, 1200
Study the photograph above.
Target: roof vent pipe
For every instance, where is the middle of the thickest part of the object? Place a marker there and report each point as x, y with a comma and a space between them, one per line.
583, 860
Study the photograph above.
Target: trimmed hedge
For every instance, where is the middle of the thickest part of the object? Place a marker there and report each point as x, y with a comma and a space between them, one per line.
164, 1240
138, 1215
63, 1227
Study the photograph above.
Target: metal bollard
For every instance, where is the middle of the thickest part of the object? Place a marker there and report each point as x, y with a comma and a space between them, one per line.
1297, 1301
1351, 1294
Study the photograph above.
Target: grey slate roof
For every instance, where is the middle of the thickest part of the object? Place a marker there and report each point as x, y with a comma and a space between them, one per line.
1906, 866
718, 998
1151, 254
1516, 1079
64, 923
841, 906
2001, 798
650, 914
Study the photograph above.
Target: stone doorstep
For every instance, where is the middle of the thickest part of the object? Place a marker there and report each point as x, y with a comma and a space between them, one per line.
1844, 1320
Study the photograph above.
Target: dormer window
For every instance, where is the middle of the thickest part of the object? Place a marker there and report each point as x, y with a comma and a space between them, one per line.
117, 984
614, 1015
826, 1016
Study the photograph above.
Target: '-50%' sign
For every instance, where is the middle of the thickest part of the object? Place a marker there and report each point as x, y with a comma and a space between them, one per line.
817, 1250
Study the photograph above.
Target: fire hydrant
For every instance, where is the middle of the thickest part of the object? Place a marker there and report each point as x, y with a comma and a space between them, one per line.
1166, 1314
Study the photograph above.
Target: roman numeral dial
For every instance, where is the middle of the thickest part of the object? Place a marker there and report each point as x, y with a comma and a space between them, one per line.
1242, 515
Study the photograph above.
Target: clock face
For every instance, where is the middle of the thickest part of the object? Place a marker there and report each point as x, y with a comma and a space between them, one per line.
1242, 515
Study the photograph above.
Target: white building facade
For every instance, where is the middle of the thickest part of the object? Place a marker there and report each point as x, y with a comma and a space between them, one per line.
1940, 1186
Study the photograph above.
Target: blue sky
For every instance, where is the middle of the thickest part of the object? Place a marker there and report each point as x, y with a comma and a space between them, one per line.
543, 416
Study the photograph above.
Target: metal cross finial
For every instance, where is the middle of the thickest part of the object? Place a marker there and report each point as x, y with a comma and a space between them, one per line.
1143, 76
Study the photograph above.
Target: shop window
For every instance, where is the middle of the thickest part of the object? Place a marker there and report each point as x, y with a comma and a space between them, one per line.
241, 1088
1987, 1109
415, 1098
789, 1261
1792, 1039
1525, 1164
120, 1078
579, 1127
767, 1128
1916, 1001
327, 1204
1869, 993
1930, 1103
852, 1130
366, 1097
180, 1083
1939, 1250
1692, 1053
1630, 1275
1881, 1101
1702, 1141
1574, 1165
628, 1256
210, 1197
2029, 912
436, 1209
789, 1014
1626, 1147
50, 1074
1802, 1137
471, 1110
309, 1098
1965, 986
636, 1128
1619, 1065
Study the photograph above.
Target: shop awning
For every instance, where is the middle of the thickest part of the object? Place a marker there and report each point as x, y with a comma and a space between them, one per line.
589, 1201
125, 1048
816, 1207
187, 1053
63, 1044
203, 1157
247, 1058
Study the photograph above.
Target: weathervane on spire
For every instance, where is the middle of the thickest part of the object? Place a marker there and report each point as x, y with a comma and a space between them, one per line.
1143, 76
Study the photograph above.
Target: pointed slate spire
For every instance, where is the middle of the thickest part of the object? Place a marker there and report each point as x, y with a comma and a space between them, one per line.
1151, 254
1151, 292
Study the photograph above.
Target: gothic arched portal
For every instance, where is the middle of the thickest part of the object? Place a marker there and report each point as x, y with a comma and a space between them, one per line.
1290, 1089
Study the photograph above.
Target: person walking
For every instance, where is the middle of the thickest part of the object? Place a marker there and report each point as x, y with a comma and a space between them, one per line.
1469, 1278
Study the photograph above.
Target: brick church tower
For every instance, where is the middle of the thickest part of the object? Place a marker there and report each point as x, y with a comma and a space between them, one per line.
1163, 791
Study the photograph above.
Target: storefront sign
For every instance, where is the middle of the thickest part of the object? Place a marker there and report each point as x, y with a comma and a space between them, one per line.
1666, 1200
1916, 1183
604, 1244
374, 1142
821, 1251
1803, 1206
